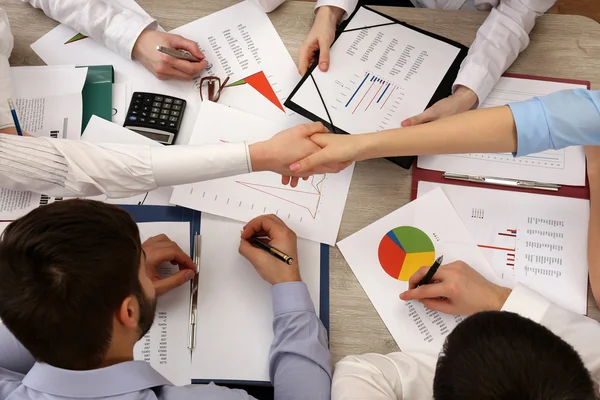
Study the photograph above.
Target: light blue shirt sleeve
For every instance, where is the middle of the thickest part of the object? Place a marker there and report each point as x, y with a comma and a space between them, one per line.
558, 120
300, 361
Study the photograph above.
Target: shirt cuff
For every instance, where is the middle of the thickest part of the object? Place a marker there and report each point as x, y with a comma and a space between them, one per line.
6, 119
527, 303
533, 133
476, 78
291, 297
124, 31
180, 165
347, 5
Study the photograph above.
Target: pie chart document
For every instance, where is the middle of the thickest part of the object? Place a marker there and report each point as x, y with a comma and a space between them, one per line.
385, 254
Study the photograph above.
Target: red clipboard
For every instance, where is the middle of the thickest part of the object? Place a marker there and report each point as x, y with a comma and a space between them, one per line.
579, 192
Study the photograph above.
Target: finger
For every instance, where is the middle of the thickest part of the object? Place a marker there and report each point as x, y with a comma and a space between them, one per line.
313, 161
181, 43
165, 285
191, 69
253, 254
425, 116
270, 225
285, 179
323, 55
430, 291
294, 181
166, 71
314, 128
442, 305
158, 238
305, 57
417, 276
172, 253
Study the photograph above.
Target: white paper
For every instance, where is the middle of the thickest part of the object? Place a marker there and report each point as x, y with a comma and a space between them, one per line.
235, 312
48, 100
538, 240
313, 209
121, 93
378, 76
99, 130
412, 325
241, 41
165, 345
565, 166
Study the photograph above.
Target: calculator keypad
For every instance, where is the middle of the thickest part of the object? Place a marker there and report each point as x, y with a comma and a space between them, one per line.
156, 111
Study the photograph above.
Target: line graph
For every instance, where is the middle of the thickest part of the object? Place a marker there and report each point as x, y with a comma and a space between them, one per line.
305, 199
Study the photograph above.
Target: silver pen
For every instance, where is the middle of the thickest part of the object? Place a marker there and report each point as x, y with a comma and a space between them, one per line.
180, 54
492, 180
194, 296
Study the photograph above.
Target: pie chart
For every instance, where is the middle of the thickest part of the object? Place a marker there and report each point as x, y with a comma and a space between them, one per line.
404, 250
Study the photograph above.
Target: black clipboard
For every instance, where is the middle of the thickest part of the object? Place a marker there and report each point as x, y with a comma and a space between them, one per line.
444, 89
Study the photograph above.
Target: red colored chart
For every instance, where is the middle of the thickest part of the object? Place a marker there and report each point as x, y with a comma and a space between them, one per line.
404, 250
260, 83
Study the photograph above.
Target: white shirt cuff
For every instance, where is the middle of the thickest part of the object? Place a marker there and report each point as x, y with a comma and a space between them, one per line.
527, 303
476, 78
347, 5
179, 165
6, 119
124, 30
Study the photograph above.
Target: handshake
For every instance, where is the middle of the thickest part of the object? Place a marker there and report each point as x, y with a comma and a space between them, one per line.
305, 150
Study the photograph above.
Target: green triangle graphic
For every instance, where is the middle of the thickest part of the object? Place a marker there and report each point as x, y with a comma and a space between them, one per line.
237, 83
75, 38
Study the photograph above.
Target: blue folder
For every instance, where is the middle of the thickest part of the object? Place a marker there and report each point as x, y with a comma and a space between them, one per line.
145, 213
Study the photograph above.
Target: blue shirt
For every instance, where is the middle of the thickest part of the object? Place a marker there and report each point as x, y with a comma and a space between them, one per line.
558, 120
299, 364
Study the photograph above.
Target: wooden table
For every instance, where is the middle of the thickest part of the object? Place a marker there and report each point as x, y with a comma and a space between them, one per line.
561, 46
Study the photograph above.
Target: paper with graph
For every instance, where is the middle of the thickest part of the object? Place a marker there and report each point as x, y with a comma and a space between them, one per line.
535, 239
385, 254
313, 209
565, 166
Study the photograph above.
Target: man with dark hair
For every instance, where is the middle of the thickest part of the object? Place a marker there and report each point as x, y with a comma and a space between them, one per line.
516, 345
78, 290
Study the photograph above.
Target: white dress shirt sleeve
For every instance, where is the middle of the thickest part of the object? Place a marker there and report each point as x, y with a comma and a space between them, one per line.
503, 35
106, 22
347, 5
6, 46
60, 167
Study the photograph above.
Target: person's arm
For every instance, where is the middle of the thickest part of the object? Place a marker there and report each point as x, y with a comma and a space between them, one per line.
558, 120
593, 172
6, 46
76, 168
13, 356
299, 362
128, 33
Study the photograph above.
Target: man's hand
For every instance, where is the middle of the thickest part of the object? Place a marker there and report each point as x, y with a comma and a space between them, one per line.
282, 238
457, 289
319, 39
285, 148
336, 152
463, 99
160, 249
11, 130
163, 65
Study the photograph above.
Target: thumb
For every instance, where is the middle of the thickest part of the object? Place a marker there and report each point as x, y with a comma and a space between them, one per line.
323, 55
181, 43
425, 116
163, 286
314, 160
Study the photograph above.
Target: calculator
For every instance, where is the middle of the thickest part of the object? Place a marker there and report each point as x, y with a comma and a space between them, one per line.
156, 116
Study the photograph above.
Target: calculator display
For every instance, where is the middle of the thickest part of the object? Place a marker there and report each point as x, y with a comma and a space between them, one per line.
159, 137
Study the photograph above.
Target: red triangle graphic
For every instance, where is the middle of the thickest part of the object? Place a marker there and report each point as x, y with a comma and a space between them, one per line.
261, 84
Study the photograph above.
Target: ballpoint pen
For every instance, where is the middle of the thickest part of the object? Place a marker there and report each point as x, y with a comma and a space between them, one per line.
194, 296
429, 275
493, 180
180, 54
14, 116
272, 250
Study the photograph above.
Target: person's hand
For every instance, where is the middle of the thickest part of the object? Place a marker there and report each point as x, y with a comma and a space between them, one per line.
286, 147
159, 249
336, 153
282, 238
164, 66
463, 99
319, 39
456, 289
592, 155
11, 130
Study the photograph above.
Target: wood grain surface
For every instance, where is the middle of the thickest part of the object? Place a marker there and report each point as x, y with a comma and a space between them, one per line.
562, 46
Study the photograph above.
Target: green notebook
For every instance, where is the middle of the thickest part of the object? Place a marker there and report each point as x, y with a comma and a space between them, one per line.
97, 93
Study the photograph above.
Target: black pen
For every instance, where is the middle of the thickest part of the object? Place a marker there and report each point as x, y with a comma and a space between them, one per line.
272, 250
429, 275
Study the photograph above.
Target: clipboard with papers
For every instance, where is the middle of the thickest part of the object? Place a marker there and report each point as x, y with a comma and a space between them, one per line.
528, 233
382, 71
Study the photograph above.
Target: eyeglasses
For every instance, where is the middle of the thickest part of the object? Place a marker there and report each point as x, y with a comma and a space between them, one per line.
213, 88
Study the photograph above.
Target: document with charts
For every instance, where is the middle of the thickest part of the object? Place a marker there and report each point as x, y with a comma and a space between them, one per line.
385, 254
565, 166
313, 209
382, 72
536, 239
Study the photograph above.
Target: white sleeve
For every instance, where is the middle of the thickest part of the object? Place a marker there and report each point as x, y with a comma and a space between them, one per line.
503, 35
384, 377
347, 5
60, 167
6, 46
578, 330
269, 5
106, 22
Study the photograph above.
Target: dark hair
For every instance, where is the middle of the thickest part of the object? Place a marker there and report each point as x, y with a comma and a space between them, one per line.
502, 356
65, 269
